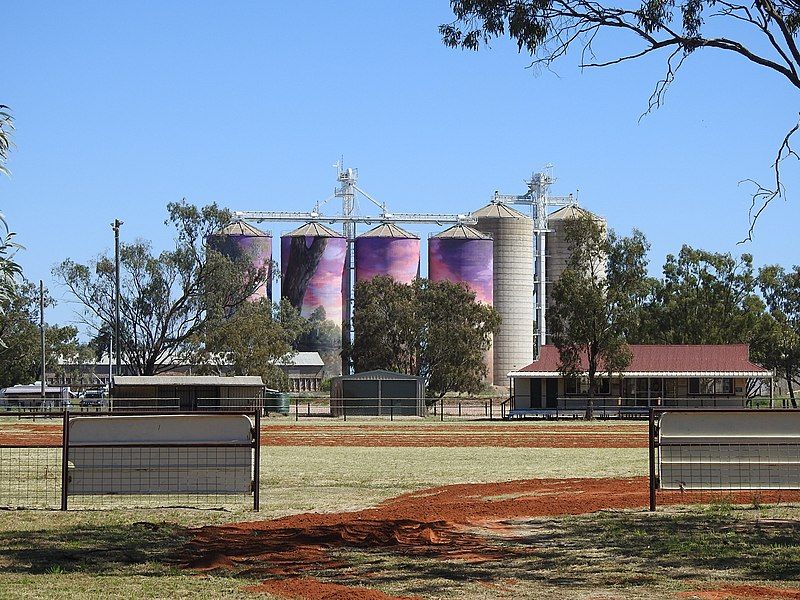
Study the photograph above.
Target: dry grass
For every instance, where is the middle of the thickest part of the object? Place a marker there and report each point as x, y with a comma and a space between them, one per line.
127, 553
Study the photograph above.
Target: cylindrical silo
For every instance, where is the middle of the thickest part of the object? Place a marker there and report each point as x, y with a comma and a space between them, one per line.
464, 255
558, 249
387, 250
240, 240
312, 279
512, 234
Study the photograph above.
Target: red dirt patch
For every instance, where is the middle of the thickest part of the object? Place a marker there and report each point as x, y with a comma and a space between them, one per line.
29, 434
737, 592
308, 588
532, 435
432, 523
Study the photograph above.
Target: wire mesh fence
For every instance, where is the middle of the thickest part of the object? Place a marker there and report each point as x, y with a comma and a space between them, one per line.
161, 476
30, 461
729, 466
30, 477
396, 408
706, 451
113, 471
283, 405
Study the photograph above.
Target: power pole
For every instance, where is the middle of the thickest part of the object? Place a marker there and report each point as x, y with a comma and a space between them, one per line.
115, 226
41, 331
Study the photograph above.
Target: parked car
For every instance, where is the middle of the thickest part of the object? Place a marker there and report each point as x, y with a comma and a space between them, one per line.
93, 398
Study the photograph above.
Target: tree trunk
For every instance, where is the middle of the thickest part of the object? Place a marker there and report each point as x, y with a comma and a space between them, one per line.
791, 389
590, 401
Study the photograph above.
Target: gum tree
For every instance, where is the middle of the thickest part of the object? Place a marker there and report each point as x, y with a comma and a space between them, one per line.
594, 299
168, 300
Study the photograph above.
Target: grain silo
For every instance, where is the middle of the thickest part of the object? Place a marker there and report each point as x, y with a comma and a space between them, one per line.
558, 250
387, 250
312, 280
464, 255
512, 234
241, 241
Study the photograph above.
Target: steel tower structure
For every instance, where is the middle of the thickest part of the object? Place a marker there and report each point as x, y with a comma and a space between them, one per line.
348, 191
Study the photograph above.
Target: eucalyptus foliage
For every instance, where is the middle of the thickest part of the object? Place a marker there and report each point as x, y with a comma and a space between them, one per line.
169, 299
435, 330
779, 349
594, 300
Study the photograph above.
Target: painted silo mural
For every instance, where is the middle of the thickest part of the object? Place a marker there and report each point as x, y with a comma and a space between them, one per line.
387, 250
241, 240
462, 254
312, 279
465, 255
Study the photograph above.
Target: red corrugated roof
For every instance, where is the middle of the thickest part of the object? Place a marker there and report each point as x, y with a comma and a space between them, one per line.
705, 358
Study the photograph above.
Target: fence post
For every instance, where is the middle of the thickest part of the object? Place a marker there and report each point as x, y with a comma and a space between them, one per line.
344, 409
64, 460
459, 408
652, 458
257, 463
391, 411
297, 409
491, 406
441, 410
309, 408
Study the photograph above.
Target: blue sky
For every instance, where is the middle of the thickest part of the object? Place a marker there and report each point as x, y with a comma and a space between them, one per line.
121, 109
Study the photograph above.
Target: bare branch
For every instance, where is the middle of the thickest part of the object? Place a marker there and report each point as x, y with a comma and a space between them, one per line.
763, 196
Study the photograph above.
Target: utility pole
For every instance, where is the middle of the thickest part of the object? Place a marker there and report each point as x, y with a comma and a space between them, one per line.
115, 226
41, 331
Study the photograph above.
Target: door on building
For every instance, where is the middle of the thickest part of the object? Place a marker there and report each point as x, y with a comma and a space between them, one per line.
184, 397
536, 393
551, 392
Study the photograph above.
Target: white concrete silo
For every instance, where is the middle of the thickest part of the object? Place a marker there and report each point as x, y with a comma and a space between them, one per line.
512, 232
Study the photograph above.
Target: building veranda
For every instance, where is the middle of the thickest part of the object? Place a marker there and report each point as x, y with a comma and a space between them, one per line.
658, 376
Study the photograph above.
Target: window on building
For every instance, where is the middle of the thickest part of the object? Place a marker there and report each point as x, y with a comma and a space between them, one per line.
711, 386
727, 385
571, 387
579, 386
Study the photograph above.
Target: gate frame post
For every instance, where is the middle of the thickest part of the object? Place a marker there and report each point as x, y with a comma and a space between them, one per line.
257, 462
65, 460
652, 457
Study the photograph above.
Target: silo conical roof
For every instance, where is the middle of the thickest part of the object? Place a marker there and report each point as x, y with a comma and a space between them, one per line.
498, 210
462, 232
313, 229
239, 227
571, 211
389, 230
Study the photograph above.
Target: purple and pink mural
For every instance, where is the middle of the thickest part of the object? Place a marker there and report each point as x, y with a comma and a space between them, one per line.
465, 255
312, 271
240, 240
462, 254
387, 250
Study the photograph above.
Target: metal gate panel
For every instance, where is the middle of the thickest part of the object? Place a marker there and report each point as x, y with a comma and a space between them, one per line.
160, 454
737, 449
